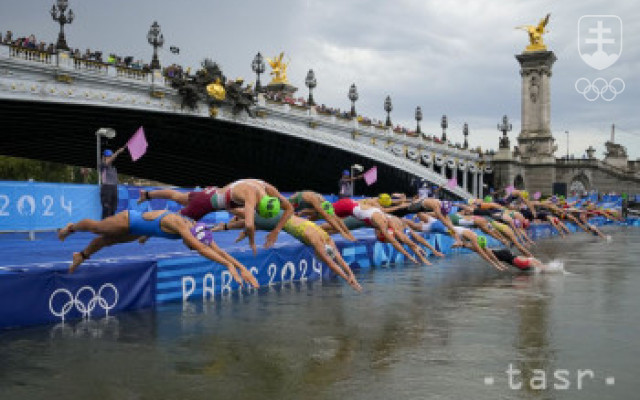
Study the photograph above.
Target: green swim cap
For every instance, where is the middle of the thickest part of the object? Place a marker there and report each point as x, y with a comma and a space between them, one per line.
482, 241
268, 207
488, 199
328, 207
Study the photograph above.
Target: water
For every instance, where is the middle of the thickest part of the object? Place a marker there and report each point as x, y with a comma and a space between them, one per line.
415, 332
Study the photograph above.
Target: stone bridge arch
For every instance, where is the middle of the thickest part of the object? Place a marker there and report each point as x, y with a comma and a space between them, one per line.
579, 184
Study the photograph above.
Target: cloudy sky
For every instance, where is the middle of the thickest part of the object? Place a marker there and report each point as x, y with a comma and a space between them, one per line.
449, 57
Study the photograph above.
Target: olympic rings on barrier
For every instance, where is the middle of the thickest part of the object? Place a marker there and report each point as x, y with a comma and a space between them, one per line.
600, 88
84, 307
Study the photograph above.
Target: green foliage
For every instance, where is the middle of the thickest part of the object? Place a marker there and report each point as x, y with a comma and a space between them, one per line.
22, 169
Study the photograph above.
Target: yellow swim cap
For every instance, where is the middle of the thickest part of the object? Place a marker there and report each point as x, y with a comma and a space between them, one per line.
384, 199
525, 195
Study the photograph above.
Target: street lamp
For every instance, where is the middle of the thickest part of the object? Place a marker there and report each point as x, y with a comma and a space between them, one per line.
504, 127
310, 81
567, 132
257, 65
388, 107
353, 96
58, 15
465, 132
108, 133
444, 124
155, 39
355, 168
418, 119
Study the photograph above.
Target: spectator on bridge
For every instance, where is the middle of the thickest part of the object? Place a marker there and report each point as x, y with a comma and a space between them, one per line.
346, 183
109, 182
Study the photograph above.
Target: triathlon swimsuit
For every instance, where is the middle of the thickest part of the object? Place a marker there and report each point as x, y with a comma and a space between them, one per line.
297, 231
141, 227
457, 220
298, 202
199, 203
344, 208
504, 255
434, 225
507, 200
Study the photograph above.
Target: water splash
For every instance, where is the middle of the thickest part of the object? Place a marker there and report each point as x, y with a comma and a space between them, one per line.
554, 267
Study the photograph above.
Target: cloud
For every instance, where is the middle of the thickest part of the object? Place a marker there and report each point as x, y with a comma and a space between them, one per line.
449, 57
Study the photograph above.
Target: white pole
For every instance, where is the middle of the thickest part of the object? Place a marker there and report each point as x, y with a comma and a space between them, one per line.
98, 158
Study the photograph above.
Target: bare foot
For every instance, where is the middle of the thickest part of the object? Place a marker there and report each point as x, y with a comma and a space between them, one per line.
64, 232
143, 196
143, 239
77, 260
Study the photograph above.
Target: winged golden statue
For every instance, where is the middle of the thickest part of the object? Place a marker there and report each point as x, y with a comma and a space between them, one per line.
278, 69
535, 34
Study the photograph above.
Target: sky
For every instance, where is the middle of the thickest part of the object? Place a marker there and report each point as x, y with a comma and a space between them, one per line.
452, 57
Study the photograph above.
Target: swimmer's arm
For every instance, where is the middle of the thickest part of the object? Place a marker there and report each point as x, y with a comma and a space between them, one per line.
249, 222
288, 212
206, 251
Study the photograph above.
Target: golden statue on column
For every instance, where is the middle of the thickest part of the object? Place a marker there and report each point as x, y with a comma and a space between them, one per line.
279, 69
535, 34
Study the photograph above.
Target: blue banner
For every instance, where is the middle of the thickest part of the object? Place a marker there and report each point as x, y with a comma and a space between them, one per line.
37, 296
28, 206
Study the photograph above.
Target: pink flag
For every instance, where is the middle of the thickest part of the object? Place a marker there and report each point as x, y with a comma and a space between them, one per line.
371, 176
137, 145
452, 183
509, 189
536, 195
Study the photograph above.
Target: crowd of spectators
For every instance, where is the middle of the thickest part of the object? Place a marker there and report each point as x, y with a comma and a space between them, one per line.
27, 42
31, 43
176, 71
365, 121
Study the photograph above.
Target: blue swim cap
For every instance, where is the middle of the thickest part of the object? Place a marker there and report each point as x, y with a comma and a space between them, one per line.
346, 172
107, 153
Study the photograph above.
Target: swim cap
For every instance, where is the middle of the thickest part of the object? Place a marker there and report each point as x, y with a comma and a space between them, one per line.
488, 199
526, 223
445, 207
346, 172
200, 232
561, 197
482, 241
328, 207
107, 153
471, 201
384, 199
268, 207
525, 195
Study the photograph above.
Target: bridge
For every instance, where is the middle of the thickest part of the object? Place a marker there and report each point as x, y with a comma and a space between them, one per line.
52, 105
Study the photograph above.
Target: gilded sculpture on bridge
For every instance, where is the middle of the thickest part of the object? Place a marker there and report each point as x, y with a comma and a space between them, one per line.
535, 34
278, 69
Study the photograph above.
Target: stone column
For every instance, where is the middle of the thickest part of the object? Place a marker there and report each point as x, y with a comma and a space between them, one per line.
464, 180
481, 185
475, 184
536, 143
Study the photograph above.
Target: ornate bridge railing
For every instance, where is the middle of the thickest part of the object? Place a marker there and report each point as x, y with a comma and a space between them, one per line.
61, 78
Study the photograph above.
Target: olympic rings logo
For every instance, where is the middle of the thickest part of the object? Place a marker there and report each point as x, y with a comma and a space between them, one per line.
85, 300
600, 88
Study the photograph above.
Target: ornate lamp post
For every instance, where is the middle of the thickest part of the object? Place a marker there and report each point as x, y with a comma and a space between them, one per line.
418, 119
353, 96
465, 132
155, 39
58, 15
388, 107
257, 65
311, 83
504, 128
444, 124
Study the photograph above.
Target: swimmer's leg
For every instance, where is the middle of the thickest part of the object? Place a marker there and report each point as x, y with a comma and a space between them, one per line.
97, 244
181, 198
